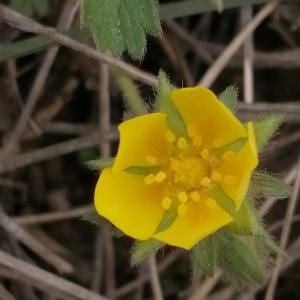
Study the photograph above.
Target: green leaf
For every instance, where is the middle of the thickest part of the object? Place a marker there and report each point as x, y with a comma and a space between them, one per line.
29, 7
229, 97
264, 128
204, 256
238, 260
93, 217
265, 185
100, 163
165, 104
219, 5
143, 249
121, 24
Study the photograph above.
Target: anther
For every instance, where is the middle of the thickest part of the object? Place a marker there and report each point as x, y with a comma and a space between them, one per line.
181, 143
204, 153
205, 181
149, 179
182, 197
195, 196
219, 143
229, 179
192, 130
166, 203
228, 156
211, 203
151, 159
160, 176
216, 176
170, 136
197, 141
182, 208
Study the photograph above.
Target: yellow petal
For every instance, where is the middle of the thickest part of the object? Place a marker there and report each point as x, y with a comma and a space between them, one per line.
129, 203
199, 221
213, 120
241, 167
143, 142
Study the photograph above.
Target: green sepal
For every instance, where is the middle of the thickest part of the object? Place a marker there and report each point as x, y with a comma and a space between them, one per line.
165, 105
234, 146
117, 233
203, 255
246, 221
169, 217
238, 260
100, 163
118, 25
143, 249
229, 97
265, 185
93, 217
131, 94
264, 128
219, 5
224, 200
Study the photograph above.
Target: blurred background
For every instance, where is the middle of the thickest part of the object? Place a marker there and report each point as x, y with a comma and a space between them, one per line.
60, 107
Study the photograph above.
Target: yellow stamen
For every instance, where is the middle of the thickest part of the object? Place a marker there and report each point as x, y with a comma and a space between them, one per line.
228, 156
197, 141
216, 176
204, 153
192, 130
151, 159
229, 179
182, 208
166, 203
170, 136
219, 143
211, 203
182, 197
195, 196
149, 179
181, 143
160, 176
205, 181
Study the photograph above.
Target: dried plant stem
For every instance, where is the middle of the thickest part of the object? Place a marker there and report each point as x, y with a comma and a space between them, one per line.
43, 280
38, 86
220, 63
156, 288
17, 20
285, 233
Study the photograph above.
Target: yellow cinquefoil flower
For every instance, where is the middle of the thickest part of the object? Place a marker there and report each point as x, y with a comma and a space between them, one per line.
160, 170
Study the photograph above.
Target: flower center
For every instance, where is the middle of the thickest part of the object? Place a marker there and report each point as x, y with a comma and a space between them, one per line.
191, 171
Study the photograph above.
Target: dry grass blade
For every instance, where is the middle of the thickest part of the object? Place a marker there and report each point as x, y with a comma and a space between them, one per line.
217, 67
19, 233
44, 280
285, 234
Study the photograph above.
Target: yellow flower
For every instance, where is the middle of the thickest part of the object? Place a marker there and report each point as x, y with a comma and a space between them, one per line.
181, 172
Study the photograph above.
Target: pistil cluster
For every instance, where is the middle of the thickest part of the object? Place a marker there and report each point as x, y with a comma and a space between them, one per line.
191, 171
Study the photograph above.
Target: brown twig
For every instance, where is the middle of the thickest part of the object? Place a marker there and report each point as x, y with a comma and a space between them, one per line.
285, 234
33, 244
38, 86
19, 21
44, 280
46, 153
